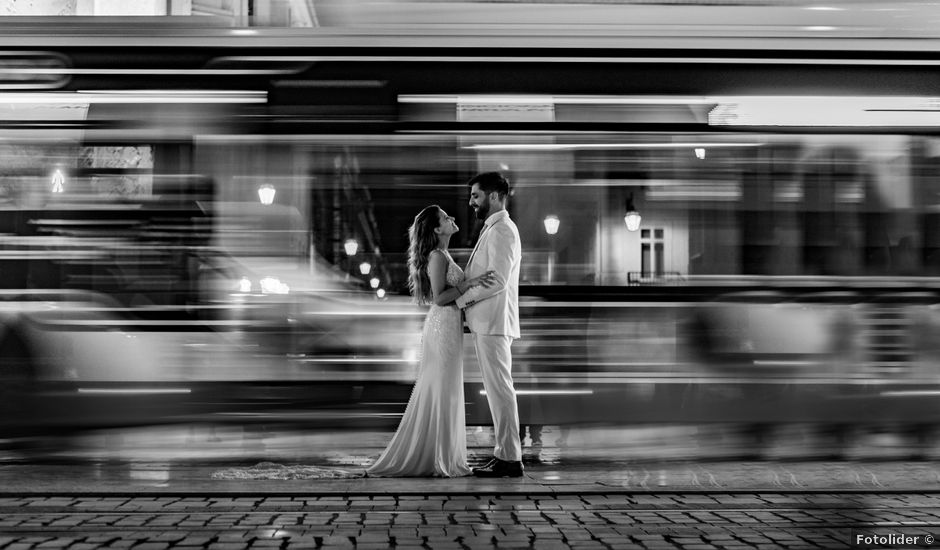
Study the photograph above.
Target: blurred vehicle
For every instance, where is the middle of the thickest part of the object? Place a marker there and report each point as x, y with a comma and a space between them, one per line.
69, 362
260, 275
721, 223
152, 324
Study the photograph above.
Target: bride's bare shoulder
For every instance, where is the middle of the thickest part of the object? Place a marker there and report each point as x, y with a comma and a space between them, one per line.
437, 260
441, 255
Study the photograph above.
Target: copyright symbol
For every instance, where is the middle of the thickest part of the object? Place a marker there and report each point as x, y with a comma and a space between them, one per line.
928, 539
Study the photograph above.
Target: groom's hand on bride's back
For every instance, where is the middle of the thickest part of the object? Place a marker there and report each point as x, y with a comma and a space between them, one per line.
486, 280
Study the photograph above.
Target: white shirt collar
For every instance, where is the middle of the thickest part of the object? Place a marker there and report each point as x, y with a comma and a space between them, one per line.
499, 216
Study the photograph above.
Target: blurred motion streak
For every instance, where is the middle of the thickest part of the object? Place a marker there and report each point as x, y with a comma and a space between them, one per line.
782, 277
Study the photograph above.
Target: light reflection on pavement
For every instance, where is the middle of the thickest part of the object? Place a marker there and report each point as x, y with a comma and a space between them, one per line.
558, 445
591, 459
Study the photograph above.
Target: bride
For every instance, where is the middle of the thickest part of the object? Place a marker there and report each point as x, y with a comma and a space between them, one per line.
431, 439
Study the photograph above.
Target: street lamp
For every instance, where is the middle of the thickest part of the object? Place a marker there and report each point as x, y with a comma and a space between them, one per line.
351, 246
266, 194
374, 282
365, 268
551, 222
632, 217
380, 293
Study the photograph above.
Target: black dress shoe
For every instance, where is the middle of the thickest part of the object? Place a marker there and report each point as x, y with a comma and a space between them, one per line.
489, 463
499, 468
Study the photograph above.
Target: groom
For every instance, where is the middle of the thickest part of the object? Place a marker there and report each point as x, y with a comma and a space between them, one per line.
493, 316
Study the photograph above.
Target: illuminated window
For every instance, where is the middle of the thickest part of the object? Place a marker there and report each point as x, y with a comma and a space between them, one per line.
118, 170
652, 253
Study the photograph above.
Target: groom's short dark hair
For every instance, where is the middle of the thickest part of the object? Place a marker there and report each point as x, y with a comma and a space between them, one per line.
490, 182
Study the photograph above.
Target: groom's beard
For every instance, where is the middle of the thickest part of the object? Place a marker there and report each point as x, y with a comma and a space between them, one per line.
483, 211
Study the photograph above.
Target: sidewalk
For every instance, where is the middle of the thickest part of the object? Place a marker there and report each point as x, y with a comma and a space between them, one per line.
162, 491
167, 478
202, 462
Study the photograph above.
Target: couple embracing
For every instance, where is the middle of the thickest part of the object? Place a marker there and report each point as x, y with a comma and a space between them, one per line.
431, 439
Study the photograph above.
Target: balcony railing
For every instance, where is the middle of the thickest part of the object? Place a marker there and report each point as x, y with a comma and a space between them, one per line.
637, 278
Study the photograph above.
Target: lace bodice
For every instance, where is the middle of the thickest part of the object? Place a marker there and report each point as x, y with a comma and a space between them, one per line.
443, 325
454, 274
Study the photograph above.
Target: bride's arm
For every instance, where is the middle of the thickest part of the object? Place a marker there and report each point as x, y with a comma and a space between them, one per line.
441, 292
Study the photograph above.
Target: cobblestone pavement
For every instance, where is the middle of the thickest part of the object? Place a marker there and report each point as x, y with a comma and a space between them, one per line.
640, 520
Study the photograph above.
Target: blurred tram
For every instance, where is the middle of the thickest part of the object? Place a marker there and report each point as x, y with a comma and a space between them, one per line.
784, 181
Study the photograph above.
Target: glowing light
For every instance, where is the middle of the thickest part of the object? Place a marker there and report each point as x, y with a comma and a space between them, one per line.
84, 97
551, 222
826, 111
351, 246
557, 99
273, 285
549, 392
244, 285
374, 282
632, 218
484, 99
266, 194
365, 268
380, 293
600, 146
334, 360
133, 391
700, 153
58, 182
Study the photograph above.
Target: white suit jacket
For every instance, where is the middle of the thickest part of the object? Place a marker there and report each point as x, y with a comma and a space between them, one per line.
495, 310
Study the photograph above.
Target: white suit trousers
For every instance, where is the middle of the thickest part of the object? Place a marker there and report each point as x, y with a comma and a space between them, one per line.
495, 359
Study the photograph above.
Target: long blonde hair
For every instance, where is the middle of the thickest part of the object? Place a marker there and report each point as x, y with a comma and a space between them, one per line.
421, 241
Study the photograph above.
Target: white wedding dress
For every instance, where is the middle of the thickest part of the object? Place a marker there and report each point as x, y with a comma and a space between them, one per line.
431, 439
